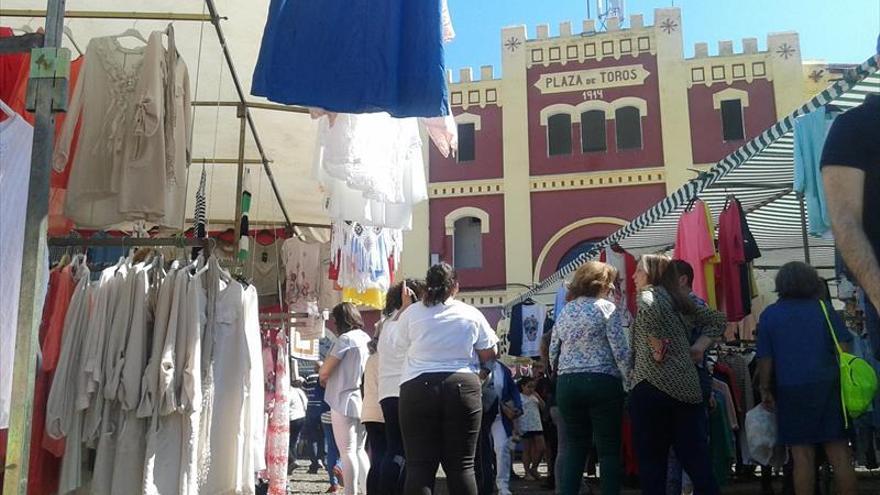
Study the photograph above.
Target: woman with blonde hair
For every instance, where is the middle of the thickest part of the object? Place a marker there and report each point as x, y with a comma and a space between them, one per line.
593, 355
666, 402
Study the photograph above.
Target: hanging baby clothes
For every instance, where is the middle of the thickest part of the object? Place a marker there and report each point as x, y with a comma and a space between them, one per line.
810, 131
391, 60
264, 267
694, 244
364, 262
307, 279
371, 169
16, 140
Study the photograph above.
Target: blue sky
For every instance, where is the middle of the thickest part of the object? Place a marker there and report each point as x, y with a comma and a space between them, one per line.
833, 30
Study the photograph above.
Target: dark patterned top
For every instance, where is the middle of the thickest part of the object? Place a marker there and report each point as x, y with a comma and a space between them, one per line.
676, 376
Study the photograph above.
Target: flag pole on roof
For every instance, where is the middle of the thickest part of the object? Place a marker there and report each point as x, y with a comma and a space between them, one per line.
693, 188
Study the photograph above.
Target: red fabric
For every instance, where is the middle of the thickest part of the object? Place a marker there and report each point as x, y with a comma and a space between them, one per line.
334, 269
695, 245
265, 237
59, 225
46, 452
732, 250
626, 279
735, 391
11, 67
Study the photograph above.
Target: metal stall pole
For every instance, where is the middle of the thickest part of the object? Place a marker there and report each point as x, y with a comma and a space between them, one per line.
804, 234
49, 94
239, 182
215, 20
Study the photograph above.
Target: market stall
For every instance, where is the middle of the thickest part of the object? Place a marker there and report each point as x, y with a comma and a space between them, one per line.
761, 175
186, 270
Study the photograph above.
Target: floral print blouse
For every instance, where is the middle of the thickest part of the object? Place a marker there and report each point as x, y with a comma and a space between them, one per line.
589, 337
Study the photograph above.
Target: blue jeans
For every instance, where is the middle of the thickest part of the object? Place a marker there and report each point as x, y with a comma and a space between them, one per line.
332, 453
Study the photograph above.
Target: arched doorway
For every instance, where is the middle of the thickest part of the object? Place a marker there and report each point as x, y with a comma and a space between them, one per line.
577, 250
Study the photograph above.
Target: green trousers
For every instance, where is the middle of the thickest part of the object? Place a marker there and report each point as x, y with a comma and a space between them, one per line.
592, 407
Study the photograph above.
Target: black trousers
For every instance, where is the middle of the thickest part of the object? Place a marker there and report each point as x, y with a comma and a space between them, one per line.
392, 474
660, 422
376, 450
440, 419
296, 427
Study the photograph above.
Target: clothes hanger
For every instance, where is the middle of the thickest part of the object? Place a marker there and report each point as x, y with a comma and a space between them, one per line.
69, 34
27, 28
7, 109
131, 33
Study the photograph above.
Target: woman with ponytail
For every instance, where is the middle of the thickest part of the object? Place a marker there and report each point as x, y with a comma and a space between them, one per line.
666, 402
444, 341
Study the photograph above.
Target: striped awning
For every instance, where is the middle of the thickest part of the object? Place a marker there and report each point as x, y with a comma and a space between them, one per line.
760, 174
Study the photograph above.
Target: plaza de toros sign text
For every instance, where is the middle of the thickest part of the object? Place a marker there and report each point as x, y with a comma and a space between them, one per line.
586, 80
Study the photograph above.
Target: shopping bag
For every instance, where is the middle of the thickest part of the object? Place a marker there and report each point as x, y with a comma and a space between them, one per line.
761, 434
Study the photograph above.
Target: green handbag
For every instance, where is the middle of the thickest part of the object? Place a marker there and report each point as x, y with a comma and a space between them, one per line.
858, 380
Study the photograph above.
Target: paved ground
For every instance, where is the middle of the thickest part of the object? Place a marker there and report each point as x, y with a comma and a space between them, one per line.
305, 484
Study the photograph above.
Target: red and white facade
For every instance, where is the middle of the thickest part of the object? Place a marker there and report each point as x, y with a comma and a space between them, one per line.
583, 132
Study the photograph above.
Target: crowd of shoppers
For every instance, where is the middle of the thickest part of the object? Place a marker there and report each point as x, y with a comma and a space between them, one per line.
428, 391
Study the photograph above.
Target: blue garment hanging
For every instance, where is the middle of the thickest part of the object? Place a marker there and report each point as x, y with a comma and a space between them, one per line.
355, 56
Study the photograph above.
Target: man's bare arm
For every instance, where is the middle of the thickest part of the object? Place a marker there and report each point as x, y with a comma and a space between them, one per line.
845, 193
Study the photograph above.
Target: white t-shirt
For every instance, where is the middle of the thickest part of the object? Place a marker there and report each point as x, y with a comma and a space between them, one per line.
443, 338
391, 361
299, 403
533, 316
343, 393
16, 139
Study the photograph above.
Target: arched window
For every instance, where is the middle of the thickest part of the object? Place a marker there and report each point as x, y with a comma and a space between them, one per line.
593, 131
629, 128
559, 134
467, 243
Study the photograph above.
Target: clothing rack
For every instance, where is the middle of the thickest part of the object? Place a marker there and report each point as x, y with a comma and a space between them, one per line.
208, 242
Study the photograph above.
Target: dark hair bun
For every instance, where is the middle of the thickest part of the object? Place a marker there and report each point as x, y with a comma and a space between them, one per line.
441, 280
